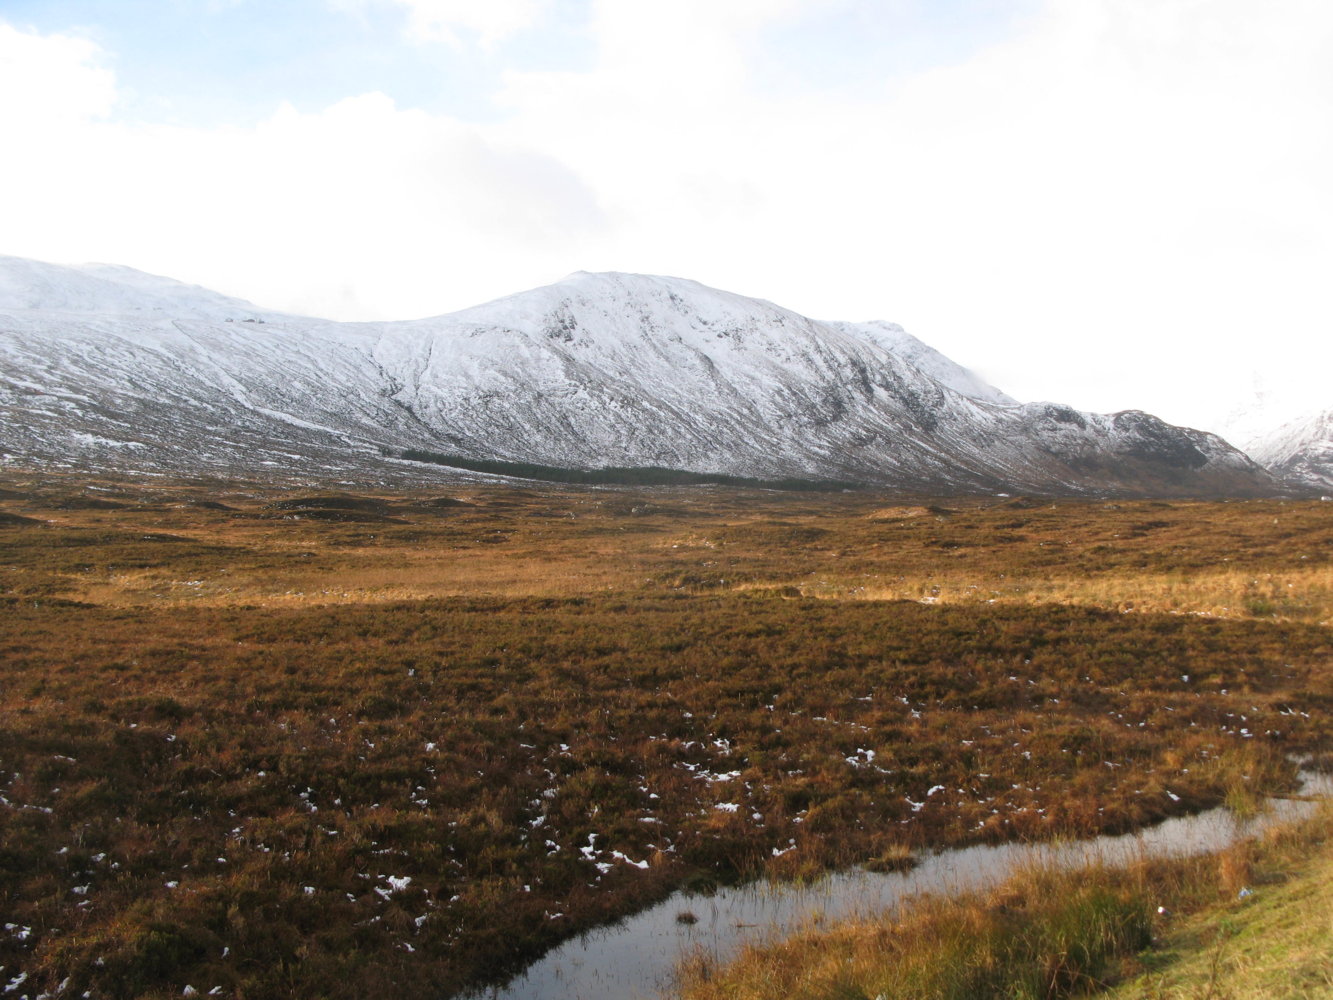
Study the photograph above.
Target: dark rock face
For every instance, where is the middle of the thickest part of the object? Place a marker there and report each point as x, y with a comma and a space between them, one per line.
1060, 414
1154, 440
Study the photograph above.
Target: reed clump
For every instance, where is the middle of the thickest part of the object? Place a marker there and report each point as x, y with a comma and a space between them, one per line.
1042, 935
1248, 921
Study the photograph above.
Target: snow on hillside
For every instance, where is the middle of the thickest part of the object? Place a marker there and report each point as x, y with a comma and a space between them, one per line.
1300, 451
110, 289
1284, 426
105, 367
897, 341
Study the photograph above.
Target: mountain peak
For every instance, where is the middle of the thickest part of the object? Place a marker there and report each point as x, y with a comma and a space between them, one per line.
108, 368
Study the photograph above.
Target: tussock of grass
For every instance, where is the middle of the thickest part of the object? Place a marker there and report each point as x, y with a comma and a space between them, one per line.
1251, 922
1043, 935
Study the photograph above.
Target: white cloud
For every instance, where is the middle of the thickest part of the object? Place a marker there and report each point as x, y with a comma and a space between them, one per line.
49, 83
363, 209
1119, 192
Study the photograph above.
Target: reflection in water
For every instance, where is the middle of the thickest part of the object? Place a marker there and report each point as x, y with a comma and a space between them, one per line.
636, 957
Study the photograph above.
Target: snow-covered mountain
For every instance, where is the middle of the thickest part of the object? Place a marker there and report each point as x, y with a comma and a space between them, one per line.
1300, 451
106, 368
1286, 426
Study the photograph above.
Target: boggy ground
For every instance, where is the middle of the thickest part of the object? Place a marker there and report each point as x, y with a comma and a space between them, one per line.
312, 744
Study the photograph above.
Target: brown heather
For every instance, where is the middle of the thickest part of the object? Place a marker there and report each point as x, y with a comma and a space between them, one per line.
229, 717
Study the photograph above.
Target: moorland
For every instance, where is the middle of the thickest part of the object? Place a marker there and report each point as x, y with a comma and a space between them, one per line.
281, 743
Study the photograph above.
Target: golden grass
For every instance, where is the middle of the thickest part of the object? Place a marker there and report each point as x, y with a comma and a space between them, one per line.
1257, 559
1273, 943
1043, 934
1296, 595
1254, 922
185, 670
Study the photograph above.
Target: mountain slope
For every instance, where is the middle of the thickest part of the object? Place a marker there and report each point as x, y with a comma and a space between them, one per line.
106, 368
1286, 428
1300, 451
111, 289
898, 342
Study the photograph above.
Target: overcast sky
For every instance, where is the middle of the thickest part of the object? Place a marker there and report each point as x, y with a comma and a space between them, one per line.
1113, 203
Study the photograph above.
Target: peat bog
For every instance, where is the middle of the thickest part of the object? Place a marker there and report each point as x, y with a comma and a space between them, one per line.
306, 744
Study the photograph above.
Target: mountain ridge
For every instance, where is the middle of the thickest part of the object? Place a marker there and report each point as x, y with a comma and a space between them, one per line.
595, 370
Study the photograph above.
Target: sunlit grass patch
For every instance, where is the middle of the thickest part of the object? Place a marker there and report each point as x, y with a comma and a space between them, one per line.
1299, 594
1262, 933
